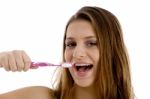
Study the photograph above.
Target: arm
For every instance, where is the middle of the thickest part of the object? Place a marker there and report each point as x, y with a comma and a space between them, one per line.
18, 60
35, 92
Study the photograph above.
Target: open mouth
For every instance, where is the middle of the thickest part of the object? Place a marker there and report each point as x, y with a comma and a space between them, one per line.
83, 67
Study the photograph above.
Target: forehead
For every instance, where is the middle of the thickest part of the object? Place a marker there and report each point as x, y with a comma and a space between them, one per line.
80, 28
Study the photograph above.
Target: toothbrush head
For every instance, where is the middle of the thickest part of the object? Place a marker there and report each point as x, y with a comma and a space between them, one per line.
67, 65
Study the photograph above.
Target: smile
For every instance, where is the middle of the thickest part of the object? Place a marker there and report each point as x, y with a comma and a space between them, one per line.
83, 67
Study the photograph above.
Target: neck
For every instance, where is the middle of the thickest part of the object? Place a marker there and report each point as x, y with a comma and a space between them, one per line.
85, 92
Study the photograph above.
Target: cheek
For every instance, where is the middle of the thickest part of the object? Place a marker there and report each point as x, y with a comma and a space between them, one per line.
95, 56
67, 55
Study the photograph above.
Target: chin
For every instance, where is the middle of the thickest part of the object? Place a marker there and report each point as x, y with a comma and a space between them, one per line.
84, 83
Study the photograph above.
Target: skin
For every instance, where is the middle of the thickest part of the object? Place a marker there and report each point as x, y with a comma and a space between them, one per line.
35, 92
15, 60
81, 47
18, 60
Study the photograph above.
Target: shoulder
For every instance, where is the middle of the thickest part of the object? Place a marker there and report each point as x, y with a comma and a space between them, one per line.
34, 92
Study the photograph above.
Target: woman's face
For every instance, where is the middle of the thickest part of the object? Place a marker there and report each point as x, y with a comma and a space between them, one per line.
82, 50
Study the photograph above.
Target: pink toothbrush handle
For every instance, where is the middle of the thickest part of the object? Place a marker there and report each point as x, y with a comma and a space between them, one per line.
41, 64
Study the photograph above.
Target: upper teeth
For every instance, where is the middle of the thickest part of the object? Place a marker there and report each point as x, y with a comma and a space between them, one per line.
82, 64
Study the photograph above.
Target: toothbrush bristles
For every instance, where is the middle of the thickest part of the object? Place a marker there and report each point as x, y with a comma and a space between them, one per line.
66, 64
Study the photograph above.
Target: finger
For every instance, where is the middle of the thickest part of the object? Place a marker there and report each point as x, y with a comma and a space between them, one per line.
0, 62
19, 60
34, 67
26, 60
4, 62
12, 62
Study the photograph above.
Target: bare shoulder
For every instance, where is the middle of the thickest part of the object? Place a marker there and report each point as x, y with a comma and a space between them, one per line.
34, 92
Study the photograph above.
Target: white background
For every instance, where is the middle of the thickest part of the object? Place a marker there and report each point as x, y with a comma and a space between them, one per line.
37, 26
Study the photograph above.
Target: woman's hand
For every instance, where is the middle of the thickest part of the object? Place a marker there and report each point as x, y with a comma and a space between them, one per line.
16, 60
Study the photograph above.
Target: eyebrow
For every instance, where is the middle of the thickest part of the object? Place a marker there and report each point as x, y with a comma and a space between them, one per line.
88, 37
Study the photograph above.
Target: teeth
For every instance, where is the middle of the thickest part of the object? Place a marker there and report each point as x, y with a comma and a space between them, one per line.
82, 64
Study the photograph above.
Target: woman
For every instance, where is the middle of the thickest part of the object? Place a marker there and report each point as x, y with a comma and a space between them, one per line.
93, 41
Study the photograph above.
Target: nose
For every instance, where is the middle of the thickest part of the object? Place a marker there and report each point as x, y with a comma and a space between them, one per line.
79, 52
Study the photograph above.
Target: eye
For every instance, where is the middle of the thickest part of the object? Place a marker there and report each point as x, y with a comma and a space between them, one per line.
91, 43
70, 44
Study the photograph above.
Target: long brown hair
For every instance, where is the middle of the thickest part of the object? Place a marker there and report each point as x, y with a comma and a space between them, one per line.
113, 79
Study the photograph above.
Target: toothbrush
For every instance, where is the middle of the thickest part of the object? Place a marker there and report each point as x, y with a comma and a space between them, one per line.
44, 64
